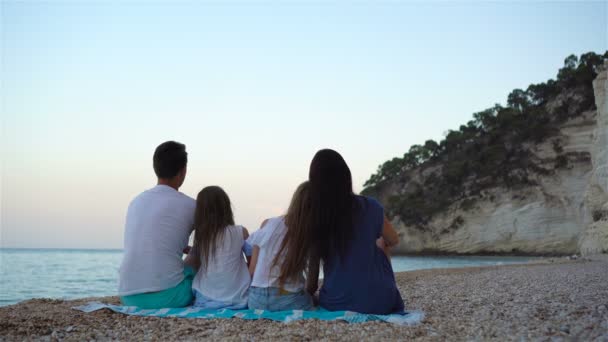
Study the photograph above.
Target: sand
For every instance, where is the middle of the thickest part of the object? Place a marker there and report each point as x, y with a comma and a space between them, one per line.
554, 300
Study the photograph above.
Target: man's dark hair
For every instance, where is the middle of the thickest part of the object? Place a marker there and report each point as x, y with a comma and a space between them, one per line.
169, 159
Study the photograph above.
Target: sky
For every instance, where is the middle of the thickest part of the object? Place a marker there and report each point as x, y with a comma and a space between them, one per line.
254, 89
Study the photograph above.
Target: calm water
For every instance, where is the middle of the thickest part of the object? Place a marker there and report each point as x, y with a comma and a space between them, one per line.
74, 273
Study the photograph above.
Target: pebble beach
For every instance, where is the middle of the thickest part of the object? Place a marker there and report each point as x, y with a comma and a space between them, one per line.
555, 299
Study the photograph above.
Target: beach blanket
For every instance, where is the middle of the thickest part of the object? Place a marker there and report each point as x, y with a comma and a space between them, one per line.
407, 318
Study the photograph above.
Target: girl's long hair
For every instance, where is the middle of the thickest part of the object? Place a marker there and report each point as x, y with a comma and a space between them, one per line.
295, 249
332, 204
213, 214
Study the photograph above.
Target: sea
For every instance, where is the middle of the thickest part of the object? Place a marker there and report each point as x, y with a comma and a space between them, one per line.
78, 273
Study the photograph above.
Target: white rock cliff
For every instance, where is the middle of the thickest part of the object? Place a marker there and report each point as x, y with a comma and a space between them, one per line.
566, 213
594, 238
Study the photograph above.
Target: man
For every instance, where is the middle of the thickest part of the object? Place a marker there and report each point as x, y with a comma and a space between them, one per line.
158, 225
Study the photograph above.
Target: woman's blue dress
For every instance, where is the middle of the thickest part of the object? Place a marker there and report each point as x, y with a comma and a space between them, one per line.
364, 280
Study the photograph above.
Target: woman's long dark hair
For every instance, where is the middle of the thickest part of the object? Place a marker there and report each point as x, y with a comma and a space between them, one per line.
213, 214
295, 249
332, 206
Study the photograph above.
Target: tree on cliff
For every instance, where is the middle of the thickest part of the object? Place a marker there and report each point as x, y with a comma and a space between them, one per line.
489, 150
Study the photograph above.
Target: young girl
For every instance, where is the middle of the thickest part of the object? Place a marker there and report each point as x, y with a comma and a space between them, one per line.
222, 280
278, 261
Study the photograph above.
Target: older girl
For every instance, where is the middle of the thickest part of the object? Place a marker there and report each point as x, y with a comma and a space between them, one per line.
278, 261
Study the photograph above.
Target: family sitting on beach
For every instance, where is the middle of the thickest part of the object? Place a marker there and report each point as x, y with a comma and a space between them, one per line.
275, 268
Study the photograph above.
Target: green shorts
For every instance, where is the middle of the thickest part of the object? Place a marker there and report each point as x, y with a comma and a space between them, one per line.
176, 297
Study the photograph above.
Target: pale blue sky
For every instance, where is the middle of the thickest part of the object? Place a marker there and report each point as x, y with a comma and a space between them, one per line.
252, 88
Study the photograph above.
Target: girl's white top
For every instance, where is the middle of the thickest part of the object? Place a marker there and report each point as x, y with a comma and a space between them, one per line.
226, 278
269, 239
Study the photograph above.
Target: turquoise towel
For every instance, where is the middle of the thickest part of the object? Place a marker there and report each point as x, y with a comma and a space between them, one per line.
408, 318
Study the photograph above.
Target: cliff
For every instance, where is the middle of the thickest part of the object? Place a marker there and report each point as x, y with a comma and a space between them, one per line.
594, 237
543, 194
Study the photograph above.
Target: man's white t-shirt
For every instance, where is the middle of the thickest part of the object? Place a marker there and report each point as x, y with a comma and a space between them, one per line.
226, 278
269, 239
159, 223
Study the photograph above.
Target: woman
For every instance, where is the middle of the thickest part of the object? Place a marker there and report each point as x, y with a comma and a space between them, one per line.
347, 231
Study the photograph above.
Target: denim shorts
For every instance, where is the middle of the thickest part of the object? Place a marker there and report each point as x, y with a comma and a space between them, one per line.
204, 302
271, 299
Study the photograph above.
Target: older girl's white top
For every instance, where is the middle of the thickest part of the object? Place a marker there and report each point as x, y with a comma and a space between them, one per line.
269, 238
226, 277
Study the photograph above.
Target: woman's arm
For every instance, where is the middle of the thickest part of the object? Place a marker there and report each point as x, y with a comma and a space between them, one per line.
390, 236
312, 276
254, 259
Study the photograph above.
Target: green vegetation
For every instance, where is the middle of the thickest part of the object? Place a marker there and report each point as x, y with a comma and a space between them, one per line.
490, 150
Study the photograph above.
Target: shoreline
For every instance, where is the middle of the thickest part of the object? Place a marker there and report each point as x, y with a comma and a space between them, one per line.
439, 254
534, 259
563, 299
406, 274
424, 253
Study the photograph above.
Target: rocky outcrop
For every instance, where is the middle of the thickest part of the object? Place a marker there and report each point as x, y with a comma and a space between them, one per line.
564, 212
594, 237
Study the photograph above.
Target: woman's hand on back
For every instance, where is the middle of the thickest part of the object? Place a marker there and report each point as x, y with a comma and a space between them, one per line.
390, 236
380, 243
